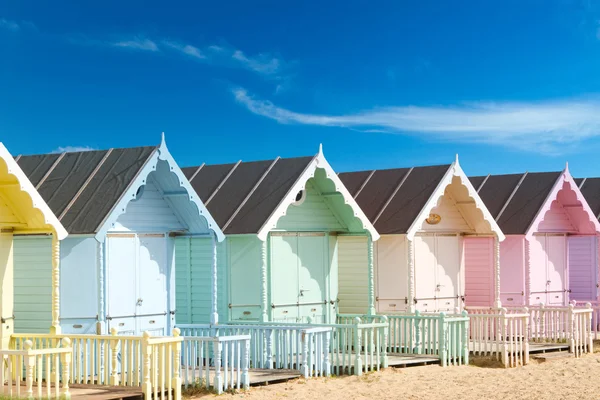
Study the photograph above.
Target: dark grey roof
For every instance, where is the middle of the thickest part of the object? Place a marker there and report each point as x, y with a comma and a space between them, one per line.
591, 191
514, 200
393, 198
242, 196
81, 188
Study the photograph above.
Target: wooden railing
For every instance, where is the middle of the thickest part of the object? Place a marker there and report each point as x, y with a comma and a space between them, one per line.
115, 360
437, 335
314, 349
41, 369
273, 346
231, 354
499, 333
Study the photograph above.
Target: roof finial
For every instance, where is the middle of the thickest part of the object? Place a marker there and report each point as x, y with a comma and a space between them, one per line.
320, 149
162, 139
456, 159
567, 166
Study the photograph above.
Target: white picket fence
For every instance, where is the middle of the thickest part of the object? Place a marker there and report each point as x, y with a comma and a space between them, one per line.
45, 371
228, 355
500, 333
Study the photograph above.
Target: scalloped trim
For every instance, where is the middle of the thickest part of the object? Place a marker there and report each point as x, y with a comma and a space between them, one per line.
36, 200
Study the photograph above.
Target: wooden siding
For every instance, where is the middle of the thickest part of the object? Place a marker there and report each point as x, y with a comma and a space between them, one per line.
32, 284
148, 213
78, 284
353, 275
583, 268
479, 271
391, 274
452, 219
194, 257
6, 213
556, 219
314, 214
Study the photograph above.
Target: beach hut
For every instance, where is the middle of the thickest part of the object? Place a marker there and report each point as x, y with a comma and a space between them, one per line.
282, 219
584, 283
435, 234
550, 237
122, 208
24, 212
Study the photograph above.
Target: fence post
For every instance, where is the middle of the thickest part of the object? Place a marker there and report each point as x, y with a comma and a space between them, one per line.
417, 332
384, 352
326, 361
65, 343
246, 364
526, 337
541, 331
269, 342
114, 344
305, 369
147, 354
571, 332
357, 347
29, 366
443, 342
176, 382
504, 337
465, 333
588, 325
217, 348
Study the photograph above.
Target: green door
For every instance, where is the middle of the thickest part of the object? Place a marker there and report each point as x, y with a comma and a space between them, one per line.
311, 272
299, 277
284, 277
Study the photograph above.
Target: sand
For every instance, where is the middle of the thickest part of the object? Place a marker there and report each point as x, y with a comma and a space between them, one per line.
557, 379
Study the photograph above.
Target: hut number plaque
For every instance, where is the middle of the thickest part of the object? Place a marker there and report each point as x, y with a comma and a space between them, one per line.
433, 219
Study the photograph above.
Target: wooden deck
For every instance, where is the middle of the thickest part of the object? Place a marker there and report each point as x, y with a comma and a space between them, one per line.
410, 360
547, 347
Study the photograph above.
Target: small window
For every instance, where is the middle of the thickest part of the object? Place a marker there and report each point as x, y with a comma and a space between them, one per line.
300, 197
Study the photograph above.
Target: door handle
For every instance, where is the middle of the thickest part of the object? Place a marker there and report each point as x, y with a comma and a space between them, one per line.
303, 290
139, 302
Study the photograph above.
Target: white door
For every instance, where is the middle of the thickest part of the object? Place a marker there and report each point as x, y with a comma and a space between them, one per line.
137, 283
392, 274
284, 277
121, 253
312, 296
425, 266
151, 304
448, 287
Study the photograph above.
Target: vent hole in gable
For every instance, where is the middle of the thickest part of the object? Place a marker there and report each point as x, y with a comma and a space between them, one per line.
300, 197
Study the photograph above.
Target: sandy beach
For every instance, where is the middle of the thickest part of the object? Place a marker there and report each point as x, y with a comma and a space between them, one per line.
557, 379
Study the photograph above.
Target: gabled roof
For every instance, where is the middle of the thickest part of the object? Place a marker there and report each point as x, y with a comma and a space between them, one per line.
88, 190
249, 197
518, 202
590, 188
398, 200
19, 194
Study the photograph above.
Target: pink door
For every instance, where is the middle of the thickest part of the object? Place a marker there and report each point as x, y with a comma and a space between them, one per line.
556, 270
512, 271
538, 270
479, 271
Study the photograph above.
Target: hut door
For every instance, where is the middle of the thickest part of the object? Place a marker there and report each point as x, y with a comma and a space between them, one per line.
448, 287
556, 269
284, 277
121, 282
151, 303
311, 272
425, 273
538, 268
582, 268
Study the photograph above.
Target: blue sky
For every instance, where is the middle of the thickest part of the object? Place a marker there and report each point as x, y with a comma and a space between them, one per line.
508, 85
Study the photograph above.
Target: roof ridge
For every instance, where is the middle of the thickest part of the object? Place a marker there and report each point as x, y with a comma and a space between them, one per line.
582, 183
47, 174
364, 184
196, 172
235, 213
483, 182
389, 200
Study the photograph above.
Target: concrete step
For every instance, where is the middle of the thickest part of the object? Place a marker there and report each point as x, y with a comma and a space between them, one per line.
543, 357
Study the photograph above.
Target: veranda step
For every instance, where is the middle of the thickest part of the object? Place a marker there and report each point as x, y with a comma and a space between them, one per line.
535, 348
95, 392
543, 357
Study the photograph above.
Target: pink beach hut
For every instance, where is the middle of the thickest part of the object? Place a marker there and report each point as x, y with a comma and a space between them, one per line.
549, 255
434, 231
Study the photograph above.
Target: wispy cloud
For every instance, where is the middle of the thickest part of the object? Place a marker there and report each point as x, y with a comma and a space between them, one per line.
549, 126
263, 63
185, 49
10, 25
137, 43
72, 149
